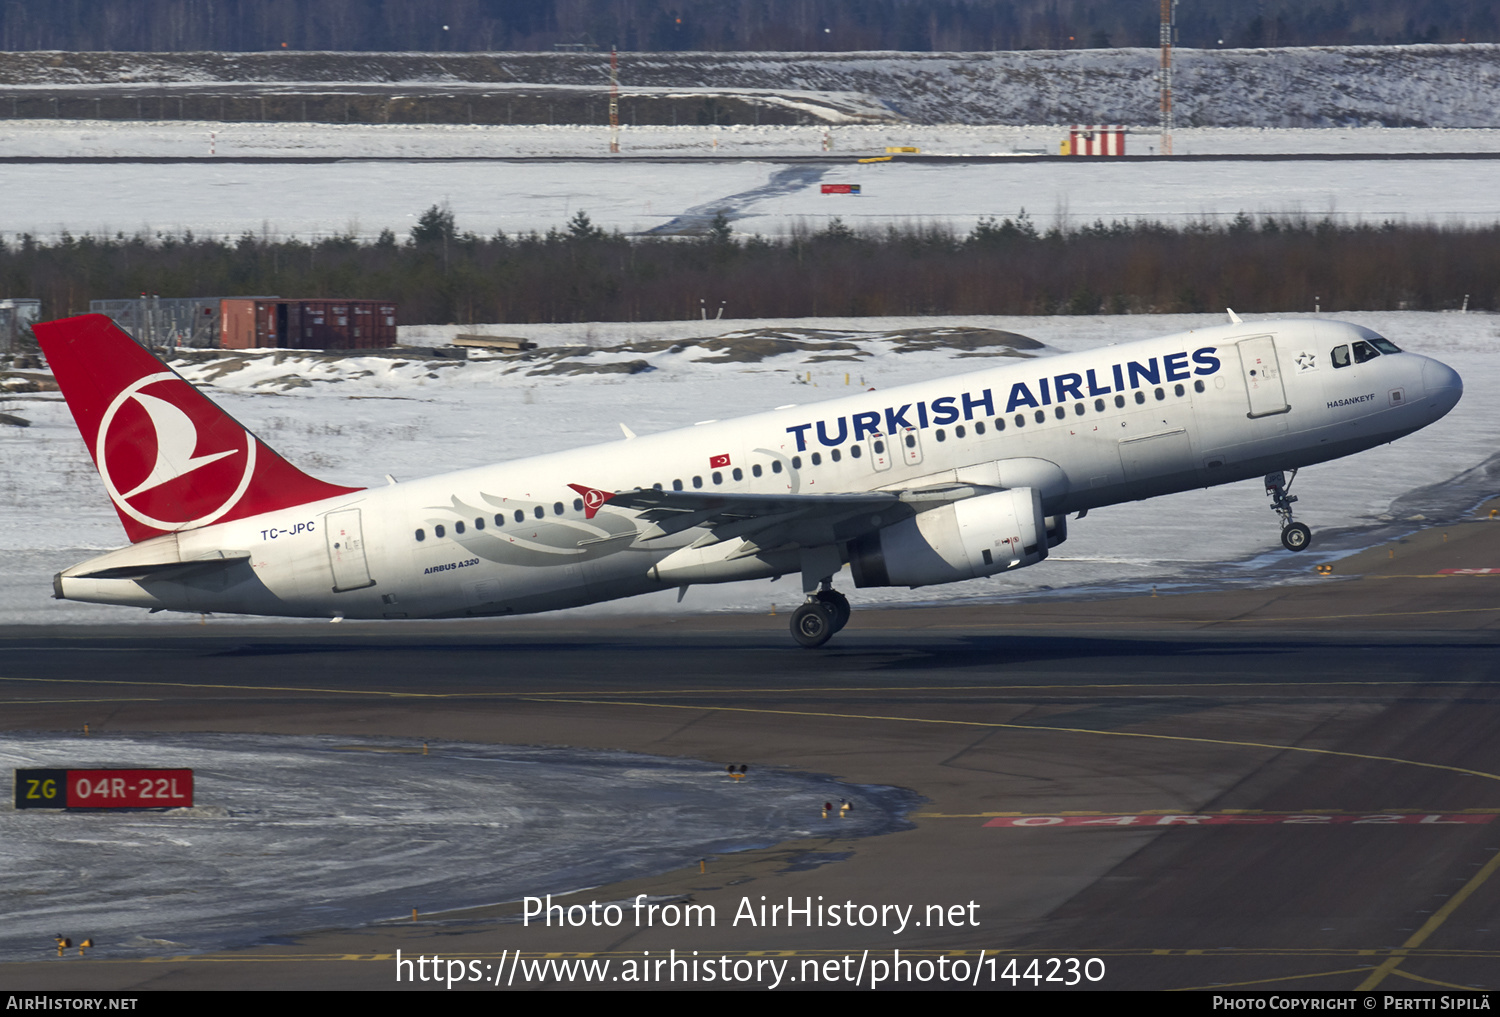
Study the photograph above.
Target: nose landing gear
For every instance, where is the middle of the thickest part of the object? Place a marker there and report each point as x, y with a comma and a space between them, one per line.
1294, 536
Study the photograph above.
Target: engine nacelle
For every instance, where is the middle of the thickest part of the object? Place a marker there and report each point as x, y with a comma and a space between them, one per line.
961, 540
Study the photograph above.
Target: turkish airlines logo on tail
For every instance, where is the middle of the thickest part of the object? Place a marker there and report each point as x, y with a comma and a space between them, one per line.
163, 461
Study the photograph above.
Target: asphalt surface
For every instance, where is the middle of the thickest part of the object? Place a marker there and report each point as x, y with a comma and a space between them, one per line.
1289, 788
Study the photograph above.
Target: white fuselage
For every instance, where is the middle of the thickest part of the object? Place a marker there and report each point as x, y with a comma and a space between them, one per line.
1088, 429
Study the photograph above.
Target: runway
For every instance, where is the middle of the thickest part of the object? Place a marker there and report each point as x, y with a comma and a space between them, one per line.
1292, 788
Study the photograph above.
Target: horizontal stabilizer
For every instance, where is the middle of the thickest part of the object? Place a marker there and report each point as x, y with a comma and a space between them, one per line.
164, 569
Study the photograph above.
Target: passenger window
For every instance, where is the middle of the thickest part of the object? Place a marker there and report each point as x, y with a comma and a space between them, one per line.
718, 477
979, 427
796, 462
739, 474
1040, 417
1364, 351
1020, 420
438, 531
539, 512
1119, 402
817, 459
1098, 405
479, 523
755, 470
776, 466
697, 481
1198, 385
879, 447
958, 432
578, 502
677, 485
1160, 394
1078, 409
911, 441
855, 451
557, 508
1179, 390
999, 423
835, 455
1341, 356
499, 519
941, 435
1140, 397
520, 516
458, 527
1060, 412
421, 536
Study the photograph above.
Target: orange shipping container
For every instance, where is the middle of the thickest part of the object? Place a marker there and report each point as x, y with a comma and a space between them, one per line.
263, 322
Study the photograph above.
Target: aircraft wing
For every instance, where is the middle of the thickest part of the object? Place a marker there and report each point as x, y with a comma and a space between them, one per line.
769, 521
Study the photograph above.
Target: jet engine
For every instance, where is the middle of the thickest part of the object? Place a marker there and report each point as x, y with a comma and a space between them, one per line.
966, 539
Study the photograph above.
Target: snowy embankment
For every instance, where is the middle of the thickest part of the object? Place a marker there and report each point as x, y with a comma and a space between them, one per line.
352, 420
1430, 85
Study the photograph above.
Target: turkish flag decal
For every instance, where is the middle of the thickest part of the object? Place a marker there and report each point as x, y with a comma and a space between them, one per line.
718, 462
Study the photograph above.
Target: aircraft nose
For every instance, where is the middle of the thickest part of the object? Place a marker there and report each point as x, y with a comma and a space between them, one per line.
1443, 385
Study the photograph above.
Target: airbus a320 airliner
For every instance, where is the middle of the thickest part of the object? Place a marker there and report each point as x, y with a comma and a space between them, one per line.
955, 479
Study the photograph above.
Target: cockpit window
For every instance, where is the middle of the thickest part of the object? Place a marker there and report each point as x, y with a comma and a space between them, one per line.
1384, 345
1364, 351
1341, 356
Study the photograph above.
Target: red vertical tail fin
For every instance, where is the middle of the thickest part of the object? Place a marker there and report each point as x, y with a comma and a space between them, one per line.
170, 459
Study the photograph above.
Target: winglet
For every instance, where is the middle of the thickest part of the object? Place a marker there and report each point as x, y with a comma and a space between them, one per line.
1234, 319
593, 499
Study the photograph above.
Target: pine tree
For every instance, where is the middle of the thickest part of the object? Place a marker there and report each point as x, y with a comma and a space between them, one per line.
435, 225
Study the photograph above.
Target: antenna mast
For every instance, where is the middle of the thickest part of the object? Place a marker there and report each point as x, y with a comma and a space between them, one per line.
614, 102
1168, 8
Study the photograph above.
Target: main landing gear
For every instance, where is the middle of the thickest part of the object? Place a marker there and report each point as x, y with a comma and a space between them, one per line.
824, 613
1294, 536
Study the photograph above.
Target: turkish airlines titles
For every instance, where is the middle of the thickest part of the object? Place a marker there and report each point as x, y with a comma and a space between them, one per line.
1058, 388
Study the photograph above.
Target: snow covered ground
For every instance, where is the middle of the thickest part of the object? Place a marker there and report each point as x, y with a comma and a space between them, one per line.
353, 420
289, 834
192, 139
359, 197
1428, 85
